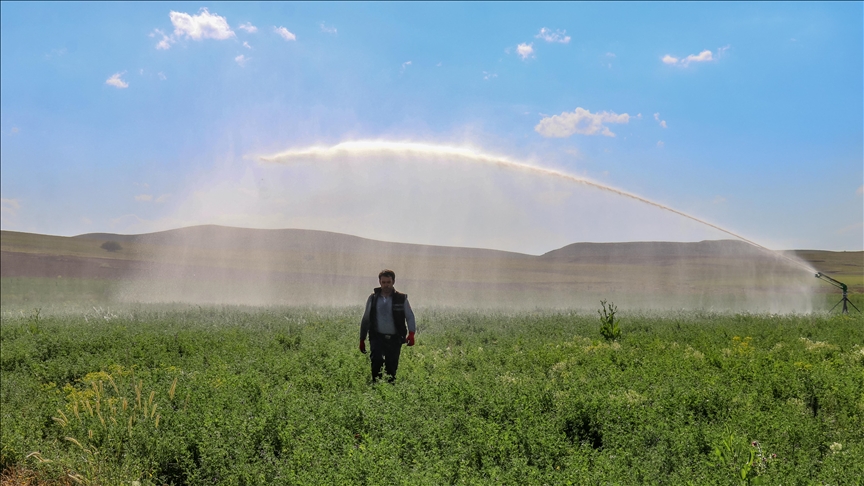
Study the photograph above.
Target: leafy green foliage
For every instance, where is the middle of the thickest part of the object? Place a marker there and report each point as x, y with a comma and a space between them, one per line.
232, 395
608, 324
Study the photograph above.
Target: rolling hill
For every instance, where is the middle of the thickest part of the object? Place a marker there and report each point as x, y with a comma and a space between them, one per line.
291, 266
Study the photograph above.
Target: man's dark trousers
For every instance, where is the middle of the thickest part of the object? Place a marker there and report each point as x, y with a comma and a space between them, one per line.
384, 350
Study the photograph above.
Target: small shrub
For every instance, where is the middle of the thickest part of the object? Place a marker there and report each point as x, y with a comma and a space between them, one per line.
111, 246
608, 324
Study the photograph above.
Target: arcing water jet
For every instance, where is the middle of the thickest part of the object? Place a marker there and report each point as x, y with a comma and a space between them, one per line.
373, 147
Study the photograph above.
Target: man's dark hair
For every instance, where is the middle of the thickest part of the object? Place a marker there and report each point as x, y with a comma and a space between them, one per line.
387, 273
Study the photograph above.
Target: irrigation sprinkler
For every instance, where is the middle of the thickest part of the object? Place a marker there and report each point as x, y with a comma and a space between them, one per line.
841, 286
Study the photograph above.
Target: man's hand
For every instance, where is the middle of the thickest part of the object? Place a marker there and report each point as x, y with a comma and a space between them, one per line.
411, 338
363, 346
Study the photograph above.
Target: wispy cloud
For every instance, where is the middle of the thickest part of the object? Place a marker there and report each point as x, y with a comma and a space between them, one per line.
488, 76
116, 81
162, 198
704, 56
165, 42
246, 45
9, 207
525, 50
559, 36
248, 27
854, 227
241, 60
660, 144
56, 53
285, 33
662, 122
580, 121
404, 65
327, 29
161, 75
144, 197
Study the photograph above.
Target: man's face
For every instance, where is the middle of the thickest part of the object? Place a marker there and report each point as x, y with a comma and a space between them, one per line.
386, 284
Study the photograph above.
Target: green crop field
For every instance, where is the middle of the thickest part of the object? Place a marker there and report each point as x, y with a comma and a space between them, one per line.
174, 394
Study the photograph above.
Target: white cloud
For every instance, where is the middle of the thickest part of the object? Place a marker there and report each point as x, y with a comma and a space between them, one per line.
144, 197
246, 45
610, 54
404, 65
662, 122
860, 191
701, 57
248, 27
285, 33
559, 36
580, 121
241, 60
162, 198
161, 75
704, 56
327, 29
525, 50
197, 27
660, 144
166, 41
488, 76
141, 71
116, 81
202, 26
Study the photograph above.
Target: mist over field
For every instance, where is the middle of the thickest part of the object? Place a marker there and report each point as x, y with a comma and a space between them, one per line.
222, 265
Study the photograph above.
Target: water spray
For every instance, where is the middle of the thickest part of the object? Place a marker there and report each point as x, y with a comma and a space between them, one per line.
840, 285
372, 147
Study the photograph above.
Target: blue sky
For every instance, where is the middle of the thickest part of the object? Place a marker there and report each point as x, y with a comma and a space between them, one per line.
137, 117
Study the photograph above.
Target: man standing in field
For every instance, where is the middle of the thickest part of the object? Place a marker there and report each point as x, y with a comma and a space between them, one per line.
389, 322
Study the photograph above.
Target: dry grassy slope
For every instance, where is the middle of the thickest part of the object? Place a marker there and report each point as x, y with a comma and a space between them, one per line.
846, 266
319, 253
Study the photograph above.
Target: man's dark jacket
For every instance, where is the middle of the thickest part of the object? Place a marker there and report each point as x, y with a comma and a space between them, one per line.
371, 326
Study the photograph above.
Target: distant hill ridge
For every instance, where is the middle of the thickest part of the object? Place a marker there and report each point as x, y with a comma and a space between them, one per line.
233, 238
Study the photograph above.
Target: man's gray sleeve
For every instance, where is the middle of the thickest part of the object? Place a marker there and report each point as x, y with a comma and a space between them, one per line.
364, 323
409, 316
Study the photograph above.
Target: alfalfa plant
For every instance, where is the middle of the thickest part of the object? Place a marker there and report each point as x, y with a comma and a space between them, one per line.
608, 323
745, 463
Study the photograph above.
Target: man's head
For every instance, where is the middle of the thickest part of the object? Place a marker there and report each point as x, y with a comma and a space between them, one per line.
386, 279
